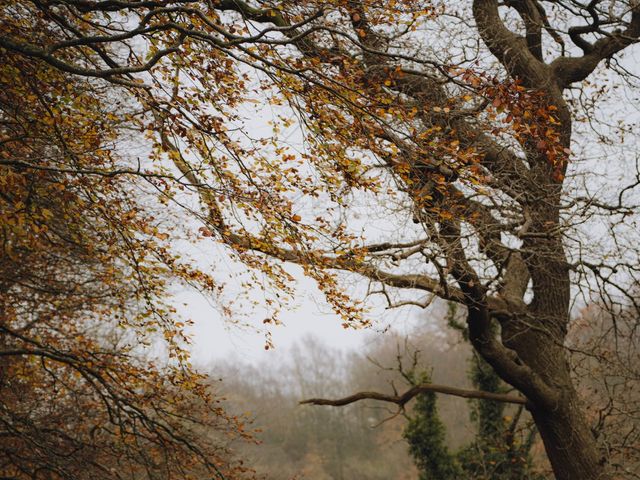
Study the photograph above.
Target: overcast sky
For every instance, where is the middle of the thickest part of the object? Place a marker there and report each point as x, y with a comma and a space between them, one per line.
214, 339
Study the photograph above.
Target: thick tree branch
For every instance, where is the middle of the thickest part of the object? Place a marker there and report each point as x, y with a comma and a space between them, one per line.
402, 400
569, 70
575, 33
530, 12
509, 262
482, 335
246, 242
511, 50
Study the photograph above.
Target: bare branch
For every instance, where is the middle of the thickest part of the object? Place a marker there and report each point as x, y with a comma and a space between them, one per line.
569, 70
402, 400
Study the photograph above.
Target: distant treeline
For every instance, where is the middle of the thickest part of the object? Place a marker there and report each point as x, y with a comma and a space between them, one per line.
359, 441
367, 440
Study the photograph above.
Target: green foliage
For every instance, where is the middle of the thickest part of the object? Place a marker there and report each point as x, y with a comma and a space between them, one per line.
425, 434
496, 453
487, 415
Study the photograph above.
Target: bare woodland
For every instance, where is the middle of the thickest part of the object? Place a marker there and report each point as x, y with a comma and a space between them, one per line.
483, 153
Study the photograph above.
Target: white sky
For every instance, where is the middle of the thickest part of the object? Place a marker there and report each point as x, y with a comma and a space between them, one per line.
214, 340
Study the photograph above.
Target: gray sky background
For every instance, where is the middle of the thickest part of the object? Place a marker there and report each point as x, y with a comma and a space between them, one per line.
214, 340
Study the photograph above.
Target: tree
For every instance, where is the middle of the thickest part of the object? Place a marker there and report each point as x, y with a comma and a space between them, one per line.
502, 446
462, 115
83, 283
297, 441
606, 359
425, 434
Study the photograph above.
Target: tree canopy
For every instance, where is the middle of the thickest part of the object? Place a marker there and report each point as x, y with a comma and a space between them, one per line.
429, 147
83, 284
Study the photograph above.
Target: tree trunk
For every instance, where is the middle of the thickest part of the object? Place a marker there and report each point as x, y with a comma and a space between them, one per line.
538, 337
568, 441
